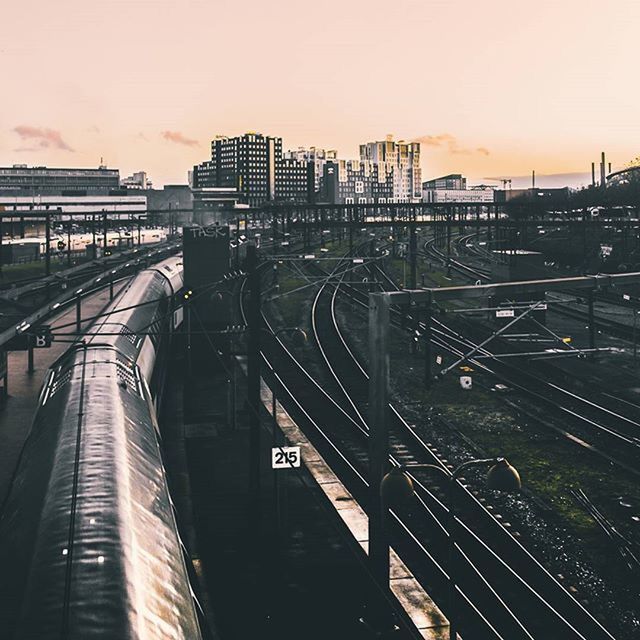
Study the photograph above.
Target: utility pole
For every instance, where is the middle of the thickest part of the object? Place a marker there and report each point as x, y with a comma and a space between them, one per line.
253, 382
48, 241
427, 343
379, 304
93, 234
69, 242
592, 325
413, 258
236, 251
104, 232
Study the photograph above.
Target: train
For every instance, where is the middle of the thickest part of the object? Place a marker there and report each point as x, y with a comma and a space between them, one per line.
16, 250
89, 544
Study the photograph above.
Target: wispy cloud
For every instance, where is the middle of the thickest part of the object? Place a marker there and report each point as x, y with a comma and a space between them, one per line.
43, 138
179, 138
451, 144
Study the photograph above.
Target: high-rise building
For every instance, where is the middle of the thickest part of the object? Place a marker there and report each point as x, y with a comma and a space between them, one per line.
246, 163
402, 160
294, 180
315, 157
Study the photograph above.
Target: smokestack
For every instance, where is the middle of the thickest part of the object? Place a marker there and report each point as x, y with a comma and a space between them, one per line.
602, 176
609, 168
533, 179
593, 174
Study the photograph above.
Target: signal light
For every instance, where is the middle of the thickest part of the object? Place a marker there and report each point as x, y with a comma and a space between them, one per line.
187, 294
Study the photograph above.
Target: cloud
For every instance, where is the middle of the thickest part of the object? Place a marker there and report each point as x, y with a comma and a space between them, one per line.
450, 142
437, 141
43, 138
179, 138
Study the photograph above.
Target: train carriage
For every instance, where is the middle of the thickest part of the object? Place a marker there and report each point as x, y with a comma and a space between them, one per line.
89, 544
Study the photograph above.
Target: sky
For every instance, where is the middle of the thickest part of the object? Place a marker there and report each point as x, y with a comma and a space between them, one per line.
491, 89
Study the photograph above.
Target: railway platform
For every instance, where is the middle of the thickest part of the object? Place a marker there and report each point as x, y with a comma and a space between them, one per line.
16, 413
297, 571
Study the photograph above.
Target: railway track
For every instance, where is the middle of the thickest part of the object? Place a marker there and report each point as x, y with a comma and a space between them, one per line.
338, 423
475, 273
598, 427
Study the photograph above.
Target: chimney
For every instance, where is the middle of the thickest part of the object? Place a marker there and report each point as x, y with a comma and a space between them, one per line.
603, 182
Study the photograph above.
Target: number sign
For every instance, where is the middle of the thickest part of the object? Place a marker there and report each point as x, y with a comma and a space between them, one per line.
285, 457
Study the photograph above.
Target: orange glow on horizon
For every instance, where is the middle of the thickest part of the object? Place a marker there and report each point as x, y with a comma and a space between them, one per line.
146, 84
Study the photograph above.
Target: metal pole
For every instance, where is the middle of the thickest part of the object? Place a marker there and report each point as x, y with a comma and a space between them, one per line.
477, 348
276, 443
253, 383
427, 345
592, 327
69, 242
413, 258
379, 304
111, 288
93, 234
104, 232
48, 242
189, 357
635, 344
237, 248
78, 312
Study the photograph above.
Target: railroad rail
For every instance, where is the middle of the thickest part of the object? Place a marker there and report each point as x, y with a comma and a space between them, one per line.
343, 437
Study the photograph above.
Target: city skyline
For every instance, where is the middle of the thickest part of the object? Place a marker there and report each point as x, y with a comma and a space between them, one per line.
486, 92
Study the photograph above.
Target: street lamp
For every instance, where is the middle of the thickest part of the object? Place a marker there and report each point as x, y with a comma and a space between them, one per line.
397, 487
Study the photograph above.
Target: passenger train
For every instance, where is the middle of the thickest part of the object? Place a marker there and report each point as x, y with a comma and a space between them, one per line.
89, 546
32, 248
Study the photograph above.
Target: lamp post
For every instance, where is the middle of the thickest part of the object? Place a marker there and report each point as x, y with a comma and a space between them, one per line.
397, 486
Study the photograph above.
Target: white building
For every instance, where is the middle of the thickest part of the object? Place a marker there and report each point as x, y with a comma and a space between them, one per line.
319, 157
114, 206
138, 180
402, 160
457, 195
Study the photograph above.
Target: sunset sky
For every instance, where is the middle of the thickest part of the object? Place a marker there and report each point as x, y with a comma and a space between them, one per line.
491, 88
